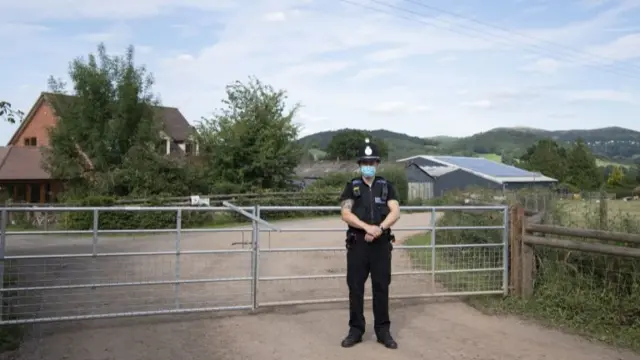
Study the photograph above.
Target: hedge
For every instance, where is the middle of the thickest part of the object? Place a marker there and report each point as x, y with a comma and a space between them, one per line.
324, 192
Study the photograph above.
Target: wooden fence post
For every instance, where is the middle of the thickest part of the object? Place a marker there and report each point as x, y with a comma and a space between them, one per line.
527, 263
521, 255
515, 241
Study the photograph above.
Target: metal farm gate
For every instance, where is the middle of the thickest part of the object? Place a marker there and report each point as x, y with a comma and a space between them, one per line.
59, 275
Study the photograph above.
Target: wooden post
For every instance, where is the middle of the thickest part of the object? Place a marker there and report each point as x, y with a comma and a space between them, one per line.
603, 211
527, 265
515, 253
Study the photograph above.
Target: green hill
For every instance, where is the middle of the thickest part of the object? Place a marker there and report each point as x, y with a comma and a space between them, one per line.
400, 145
611, 144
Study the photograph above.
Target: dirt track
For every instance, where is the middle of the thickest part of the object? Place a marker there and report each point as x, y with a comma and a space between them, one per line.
439, 330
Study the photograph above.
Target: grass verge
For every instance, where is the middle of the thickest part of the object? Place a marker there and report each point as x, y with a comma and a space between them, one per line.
561, 301
594, 296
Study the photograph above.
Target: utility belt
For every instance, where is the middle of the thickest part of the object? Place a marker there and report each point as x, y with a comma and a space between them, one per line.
352, 235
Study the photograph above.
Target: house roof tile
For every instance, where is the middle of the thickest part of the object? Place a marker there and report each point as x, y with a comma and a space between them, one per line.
22, 163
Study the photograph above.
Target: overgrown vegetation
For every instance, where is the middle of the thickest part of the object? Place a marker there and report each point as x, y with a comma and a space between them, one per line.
593, 295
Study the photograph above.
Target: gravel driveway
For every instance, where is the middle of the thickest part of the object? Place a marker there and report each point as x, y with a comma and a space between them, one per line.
435, 329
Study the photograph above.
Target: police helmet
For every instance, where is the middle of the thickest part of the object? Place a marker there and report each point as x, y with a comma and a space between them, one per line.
368, 151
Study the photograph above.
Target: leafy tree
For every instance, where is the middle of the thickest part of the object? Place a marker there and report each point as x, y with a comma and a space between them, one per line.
345, 145
547, 157
616, 177
9, 114
108, 130
252, 140
582, 169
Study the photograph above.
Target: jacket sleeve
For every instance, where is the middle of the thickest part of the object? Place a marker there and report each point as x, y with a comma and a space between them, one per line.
347, 193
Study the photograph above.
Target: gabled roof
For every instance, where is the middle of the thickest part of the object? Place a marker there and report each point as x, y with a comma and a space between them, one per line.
437, 171
518, 175
22, 163
175, 124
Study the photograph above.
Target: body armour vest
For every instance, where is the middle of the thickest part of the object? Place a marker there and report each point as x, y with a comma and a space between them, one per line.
370, 203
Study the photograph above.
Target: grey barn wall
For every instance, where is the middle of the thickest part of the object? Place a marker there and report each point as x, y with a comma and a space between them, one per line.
460, 180
415, 175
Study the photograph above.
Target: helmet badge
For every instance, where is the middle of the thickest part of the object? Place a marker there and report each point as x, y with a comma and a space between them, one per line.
368, 151
366, 140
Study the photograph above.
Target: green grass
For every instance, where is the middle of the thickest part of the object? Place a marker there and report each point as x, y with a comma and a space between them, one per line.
492, 157
584, 213
602, 162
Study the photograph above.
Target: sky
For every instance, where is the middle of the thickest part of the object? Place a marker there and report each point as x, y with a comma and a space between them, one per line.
421, 67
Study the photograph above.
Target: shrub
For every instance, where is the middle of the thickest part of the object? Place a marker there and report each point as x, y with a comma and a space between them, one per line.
396, 176
107, 220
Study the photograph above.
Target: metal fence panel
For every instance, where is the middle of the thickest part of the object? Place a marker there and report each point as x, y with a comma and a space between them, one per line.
428, 269
53, 276
58, 275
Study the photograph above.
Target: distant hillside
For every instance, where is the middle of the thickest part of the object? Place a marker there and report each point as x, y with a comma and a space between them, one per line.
400, 145
611, 143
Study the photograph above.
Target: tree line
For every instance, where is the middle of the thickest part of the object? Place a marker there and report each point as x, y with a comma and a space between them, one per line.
576, 168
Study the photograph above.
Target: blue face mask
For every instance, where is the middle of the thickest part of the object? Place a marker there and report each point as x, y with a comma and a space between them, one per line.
368, 170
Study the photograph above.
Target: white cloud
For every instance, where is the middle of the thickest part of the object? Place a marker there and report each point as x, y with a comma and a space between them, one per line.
373, 72
275, 16
349, 67
546, 65
98, 9
624, 48
600, 95
480, 104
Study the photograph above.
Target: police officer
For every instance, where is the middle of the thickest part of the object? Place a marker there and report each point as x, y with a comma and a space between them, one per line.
370, 207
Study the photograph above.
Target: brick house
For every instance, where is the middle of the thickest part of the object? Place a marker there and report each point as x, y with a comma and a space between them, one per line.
21, 171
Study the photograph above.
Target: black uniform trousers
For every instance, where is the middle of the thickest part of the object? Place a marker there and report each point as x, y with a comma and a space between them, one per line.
364, 258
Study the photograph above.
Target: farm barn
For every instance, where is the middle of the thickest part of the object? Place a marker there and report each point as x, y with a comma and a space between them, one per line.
432, 176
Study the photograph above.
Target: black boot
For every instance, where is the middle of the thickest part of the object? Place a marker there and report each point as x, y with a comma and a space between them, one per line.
354, 337
386, 339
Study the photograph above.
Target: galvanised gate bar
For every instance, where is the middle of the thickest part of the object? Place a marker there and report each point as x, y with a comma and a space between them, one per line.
59, 275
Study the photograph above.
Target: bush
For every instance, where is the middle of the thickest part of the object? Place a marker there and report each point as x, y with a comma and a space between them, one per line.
395, 176
126, 220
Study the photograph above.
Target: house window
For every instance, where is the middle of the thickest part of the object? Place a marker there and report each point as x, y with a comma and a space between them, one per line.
164, 146
31, 141
188, 148
20, 192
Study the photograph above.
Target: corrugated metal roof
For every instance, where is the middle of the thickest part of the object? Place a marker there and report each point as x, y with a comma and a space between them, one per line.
435, 171
517, 174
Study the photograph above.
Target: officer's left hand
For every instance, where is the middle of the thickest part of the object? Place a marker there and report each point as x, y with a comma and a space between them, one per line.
377, 231
369, 238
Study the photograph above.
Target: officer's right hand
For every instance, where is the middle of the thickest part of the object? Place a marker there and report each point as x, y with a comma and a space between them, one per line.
373, 230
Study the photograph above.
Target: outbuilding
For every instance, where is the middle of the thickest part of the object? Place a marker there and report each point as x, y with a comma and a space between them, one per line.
432, 176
